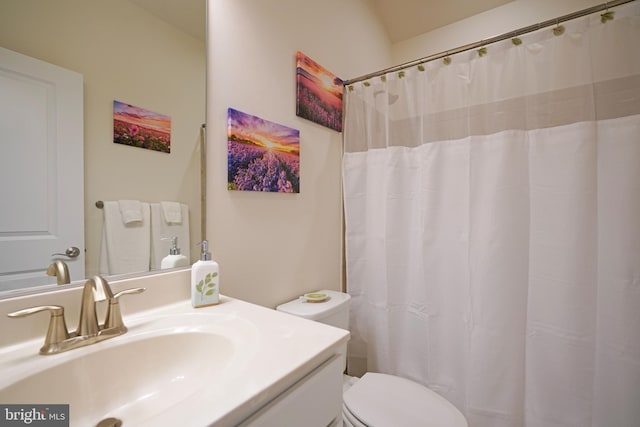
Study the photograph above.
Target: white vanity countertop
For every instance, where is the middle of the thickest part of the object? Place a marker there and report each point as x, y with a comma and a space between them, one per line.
270, 351
285, 349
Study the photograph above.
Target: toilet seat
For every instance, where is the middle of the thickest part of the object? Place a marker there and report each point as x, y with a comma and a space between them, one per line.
348, 420
383, 400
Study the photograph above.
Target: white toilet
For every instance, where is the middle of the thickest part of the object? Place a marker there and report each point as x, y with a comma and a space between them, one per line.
378, 400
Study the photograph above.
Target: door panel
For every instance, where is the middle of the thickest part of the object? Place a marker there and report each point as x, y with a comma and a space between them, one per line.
41, 169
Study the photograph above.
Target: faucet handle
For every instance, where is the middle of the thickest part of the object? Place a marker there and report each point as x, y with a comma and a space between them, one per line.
128, 291
114, 315
57, 331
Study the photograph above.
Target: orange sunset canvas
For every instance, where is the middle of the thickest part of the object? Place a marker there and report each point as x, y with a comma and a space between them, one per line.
262, 155
142, 128
318, 93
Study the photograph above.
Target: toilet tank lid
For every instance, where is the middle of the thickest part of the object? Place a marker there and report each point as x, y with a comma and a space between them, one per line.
316, 310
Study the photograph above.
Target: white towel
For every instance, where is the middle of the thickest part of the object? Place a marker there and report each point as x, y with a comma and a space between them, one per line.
131, 211
126, 248
172, 212
160, 228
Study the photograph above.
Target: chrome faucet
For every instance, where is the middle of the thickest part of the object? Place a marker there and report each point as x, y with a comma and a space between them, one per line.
89, 331
59, 269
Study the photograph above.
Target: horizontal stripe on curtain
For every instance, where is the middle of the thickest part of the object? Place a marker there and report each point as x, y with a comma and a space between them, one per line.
493, 226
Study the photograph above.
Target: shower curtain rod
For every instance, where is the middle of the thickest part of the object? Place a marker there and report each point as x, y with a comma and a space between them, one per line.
508, 35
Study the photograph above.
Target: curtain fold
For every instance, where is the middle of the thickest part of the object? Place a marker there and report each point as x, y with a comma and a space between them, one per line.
492, 211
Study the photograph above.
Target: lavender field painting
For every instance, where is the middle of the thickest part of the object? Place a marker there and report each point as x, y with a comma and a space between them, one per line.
318, 93
262, 155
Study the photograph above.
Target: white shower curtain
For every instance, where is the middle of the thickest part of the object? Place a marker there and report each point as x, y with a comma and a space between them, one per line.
493, 226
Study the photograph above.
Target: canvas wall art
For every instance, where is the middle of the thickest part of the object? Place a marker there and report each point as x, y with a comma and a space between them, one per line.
262, 155
141, 128
318, 93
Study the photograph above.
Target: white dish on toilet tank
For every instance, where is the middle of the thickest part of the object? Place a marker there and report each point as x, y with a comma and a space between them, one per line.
333, 310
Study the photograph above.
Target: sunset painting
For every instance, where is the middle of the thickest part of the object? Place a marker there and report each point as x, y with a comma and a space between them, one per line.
262, 155
142, 128
318, 93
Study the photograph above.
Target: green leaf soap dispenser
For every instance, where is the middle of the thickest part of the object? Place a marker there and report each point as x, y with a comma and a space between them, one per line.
205, 279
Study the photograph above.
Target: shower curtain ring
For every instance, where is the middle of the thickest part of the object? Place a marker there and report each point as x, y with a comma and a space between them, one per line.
515, 39
607, 15
559, 30
483, 50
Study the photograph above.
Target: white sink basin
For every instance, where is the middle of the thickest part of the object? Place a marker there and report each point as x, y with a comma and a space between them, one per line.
160, 362
176, 365
111, 381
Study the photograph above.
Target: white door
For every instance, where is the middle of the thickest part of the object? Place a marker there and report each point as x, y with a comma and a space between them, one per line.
41, 170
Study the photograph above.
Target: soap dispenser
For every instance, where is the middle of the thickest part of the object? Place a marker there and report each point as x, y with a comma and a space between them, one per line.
174, 259
205, 279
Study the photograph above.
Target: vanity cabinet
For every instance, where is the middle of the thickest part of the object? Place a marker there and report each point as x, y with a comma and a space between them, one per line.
313, 401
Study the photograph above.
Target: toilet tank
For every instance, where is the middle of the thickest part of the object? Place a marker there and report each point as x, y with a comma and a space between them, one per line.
332, 311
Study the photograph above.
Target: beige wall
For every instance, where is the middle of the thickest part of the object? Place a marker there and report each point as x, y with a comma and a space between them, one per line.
124, 54
511, 16
273, 247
